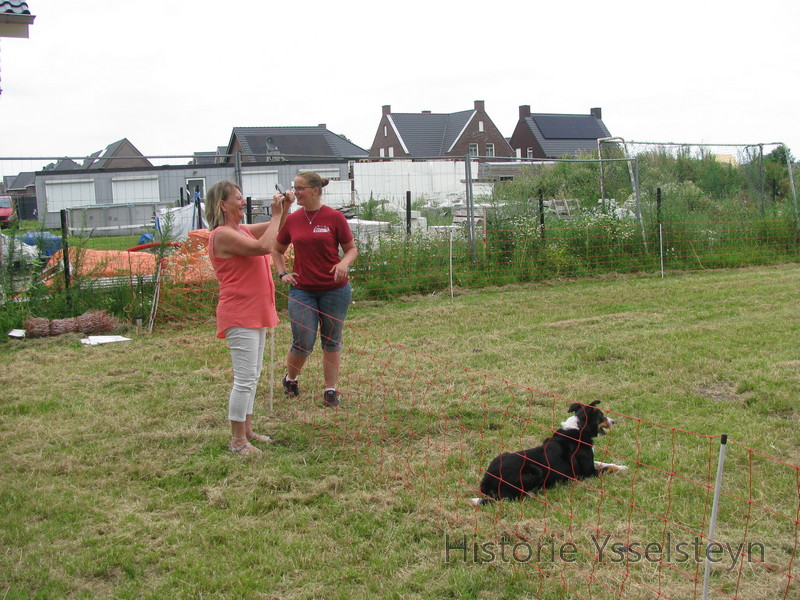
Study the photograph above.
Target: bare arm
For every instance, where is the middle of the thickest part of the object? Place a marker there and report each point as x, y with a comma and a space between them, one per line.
228, 242
340, 269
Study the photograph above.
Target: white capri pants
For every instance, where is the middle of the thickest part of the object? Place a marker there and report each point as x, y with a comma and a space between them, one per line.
247, 355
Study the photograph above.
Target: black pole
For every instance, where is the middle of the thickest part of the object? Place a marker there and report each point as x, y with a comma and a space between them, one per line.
249, 211
197, 206
408, 212
65, 247
658, 204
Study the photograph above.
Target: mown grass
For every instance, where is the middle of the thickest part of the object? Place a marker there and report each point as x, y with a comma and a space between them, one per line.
115, 481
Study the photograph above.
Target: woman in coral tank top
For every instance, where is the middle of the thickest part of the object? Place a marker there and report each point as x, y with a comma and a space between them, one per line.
240, 255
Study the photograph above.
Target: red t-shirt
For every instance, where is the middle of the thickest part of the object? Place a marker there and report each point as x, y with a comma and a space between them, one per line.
246, 290
316, 246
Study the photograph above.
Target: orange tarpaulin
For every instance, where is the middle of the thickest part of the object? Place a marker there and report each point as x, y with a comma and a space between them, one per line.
190, 264
105, 263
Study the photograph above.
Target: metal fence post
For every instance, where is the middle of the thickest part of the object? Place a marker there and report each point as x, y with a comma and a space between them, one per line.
541, 213
638, 201
470, 209
65, 248
452, 292
408, 212
714, 511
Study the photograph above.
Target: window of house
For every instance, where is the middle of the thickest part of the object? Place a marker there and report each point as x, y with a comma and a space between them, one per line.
480, 126
530, 152
489, 150
381, 152
391, 151
69, 193
385, 131
473, 149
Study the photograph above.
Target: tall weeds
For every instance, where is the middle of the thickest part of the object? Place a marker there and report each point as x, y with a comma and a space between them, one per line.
693, 212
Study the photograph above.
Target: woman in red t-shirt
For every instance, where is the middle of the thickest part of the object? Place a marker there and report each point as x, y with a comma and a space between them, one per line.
239, 254
320, 292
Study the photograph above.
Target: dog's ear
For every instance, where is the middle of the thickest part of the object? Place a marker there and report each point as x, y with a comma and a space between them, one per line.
575, 407
595, 403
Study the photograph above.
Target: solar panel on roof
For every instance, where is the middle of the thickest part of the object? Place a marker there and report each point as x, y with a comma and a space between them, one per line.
568, 127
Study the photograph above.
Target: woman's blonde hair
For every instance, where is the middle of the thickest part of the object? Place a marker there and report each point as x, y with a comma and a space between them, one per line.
313, 179
214, 198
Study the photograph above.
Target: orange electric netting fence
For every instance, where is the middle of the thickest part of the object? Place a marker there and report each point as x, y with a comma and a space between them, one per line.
427, 429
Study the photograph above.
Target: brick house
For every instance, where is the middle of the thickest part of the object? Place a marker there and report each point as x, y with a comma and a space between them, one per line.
545, 135
433, 135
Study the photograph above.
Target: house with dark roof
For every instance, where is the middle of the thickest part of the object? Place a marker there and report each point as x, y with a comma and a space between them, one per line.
264, 144
15, 17
119, 155
545, 135
22, 188
434, 135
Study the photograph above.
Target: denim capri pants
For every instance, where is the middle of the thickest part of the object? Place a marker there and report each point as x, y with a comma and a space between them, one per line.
325, 311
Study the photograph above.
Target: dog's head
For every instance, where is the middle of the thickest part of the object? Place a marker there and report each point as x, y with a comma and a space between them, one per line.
589, 419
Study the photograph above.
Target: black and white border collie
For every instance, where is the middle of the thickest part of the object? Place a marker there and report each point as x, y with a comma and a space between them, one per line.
567, 455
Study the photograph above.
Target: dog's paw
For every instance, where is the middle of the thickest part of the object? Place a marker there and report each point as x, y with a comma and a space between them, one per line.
476, 501
604, 468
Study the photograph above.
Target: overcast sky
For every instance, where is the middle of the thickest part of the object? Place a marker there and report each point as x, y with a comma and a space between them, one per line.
175, 76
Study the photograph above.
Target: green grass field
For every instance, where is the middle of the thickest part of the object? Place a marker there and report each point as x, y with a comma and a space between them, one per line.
115, 480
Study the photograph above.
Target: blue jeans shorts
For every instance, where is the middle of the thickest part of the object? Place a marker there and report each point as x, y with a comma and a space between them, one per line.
312, 311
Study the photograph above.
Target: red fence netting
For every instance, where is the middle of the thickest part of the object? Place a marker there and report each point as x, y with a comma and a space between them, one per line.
426, 429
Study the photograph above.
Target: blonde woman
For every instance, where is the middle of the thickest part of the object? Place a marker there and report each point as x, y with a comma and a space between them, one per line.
240, 255
320, 292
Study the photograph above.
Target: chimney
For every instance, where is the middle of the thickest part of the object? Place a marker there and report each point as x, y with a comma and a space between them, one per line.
322, 126
387, 109
479, 105
524, 111
597, 113
426, 112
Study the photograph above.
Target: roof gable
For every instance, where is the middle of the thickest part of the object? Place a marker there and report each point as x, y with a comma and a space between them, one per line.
120, 153
21, 181
430, 134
